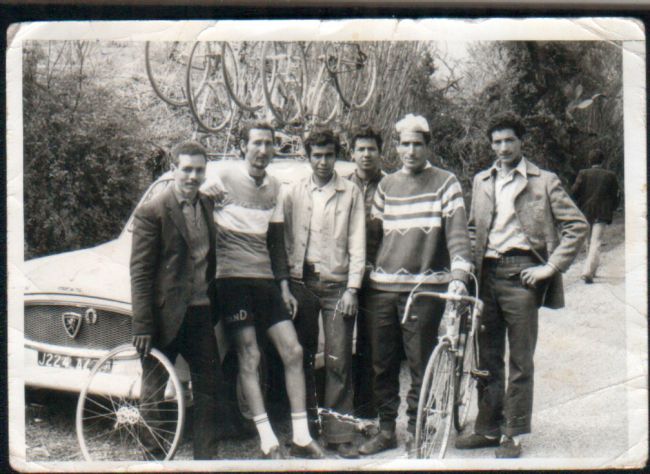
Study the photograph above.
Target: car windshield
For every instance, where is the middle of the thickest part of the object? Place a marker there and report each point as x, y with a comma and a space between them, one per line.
155, 189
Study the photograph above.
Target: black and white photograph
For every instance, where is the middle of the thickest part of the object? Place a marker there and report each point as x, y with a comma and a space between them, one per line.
327, 244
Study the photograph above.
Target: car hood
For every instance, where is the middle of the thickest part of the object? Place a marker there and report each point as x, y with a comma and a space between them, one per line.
98, 272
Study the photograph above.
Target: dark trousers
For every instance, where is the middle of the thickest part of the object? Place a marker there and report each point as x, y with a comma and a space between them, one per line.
363, 375
510, 311
339, 391
417, 337
196, 342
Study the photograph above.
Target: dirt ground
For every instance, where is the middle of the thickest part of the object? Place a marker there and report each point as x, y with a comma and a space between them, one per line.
580, 408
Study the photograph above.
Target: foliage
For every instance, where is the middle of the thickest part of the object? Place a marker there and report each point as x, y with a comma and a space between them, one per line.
82, 152
568, 93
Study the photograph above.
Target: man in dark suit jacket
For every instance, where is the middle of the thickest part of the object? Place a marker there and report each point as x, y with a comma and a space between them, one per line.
519, 256
596, 193
172, 269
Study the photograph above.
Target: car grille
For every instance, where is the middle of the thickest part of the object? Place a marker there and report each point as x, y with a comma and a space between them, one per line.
43, 323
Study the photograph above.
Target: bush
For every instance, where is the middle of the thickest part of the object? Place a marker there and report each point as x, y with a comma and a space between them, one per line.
84, 160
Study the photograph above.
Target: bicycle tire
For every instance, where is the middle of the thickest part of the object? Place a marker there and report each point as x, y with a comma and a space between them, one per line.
465, 383
248, 81
354, 75
163, 83
326, 104
274, 82
109, 427
208, 97
435, 405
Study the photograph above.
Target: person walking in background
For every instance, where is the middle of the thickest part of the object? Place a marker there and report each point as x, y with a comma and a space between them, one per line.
421, 214
597, 194
172, 272
325, 240
366, 146
252, 271
515, 212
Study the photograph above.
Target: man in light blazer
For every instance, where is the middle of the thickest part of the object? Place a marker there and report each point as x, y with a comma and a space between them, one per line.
519, 256
172, 272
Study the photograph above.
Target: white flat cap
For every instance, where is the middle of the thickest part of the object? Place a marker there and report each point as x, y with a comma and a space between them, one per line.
412, 123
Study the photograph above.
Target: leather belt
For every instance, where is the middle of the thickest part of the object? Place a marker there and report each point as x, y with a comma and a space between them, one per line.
513, 256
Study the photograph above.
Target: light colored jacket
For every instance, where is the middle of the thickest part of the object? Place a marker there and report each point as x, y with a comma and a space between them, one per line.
542, 206
343, 231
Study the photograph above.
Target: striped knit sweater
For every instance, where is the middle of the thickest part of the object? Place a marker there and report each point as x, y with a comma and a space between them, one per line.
424, 230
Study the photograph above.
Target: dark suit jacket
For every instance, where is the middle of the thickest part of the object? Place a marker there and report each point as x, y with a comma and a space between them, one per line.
596, 193
161, 266
542, 206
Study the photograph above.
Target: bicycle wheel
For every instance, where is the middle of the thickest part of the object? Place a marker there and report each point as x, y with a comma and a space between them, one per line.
464, 382
435, 406
326, 104
208, 96
166, 62
283, 72
354, 69
110, 420
241, 73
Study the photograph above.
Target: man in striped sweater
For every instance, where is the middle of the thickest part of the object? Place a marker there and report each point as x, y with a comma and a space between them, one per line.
424, 242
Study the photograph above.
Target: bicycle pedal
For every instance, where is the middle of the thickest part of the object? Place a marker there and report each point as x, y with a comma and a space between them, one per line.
370, 431
480, 374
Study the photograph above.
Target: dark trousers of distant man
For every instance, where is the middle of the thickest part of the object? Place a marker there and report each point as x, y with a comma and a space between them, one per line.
196, 342
388, 336
511, 311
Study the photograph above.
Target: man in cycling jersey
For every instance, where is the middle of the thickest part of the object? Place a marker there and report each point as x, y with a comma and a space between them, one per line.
252, 279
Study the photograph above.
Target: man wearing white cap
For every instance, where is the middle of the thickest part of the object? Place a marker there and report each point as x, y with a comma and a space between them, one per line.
421, 212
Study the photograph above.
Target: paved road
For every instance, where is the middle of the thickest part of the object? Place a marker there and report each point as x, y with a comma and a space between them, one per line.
585, 376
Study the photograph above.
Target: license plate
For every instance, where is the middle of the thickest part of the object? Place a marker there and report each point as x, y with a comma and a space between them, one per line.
60, 361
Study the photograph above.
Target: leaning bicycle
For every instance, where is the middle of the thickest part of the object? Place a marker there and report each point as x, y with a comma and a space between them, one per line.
114, 422
449, 380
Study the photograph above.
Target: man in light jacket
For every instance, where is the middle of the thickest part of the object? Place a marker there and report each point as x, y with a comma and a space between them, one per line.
516, 211
325, 239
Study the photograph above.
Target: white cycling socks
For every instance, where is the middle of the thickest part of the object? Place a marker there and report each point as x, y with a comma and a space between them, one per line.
300, 428
267, 436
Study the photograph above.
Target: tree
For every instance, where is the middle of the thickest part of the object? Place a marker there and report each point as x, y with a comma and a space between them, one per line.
82, 154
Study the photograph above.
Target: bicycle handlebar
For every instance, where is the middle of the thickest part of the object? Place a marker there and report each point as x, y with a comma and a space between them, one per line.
442, 296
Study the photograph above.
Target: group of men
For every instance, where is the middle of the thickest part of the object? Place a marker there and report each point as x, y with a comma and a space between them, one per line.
269, 262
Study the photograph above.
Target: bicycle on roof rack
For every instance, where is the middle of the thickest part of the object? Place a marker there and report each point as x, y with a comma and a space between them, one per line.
215, 78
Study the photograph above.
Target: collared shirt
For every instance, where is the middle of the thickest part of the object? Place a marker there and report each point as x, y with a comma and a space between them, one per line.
319, 196
506, 232
368, 188
199, 236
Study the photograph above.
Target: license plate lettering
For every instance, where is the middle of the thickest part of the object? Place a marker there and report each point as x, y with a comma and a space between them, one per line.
60, 361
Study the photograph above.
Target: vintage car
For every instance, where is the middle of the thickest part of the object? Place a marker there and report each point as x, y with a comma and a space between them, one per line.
78, 304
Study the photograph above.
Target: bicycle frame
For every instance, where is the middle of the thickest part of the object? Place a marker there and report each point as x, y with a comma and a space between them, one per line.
453, 330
